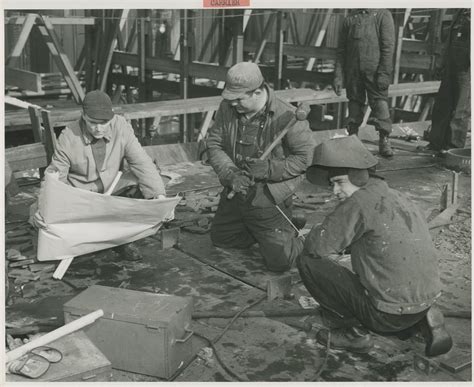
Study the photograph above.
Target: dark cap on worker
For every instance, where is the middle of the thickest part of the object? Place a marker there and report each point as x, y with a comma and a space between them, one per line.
340, 156
242, 78
97, 105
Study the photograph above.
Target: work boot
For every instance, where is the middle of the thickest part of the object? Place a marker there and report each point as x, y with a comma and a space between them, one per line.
385, 150
350, 339
438, 340
353, 129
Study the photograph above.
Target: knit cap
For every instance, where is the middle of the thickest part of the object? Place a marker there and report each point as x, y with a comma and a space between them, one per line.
98, 106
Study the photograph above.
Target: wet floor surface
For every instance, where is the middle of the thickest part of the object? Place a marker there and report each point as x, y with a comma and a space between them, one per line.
221, 280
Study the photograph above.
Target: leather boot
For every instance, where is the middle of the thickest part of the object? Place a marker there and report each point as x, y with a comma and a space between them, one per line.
350, 339
353, 128
385, 150
437, 338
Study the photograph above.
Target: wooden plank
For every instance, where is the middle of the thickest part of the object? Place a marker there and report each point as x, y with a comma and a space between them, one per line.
52, 41
320, 38
36, 123
28, 23
165, 86
23, 79
50, 141
199, 105
25, 157
55, 20
294, 50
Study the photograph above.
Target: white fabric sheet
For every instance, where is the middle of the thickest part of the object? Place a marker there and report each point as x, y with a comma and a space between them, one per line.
81, 222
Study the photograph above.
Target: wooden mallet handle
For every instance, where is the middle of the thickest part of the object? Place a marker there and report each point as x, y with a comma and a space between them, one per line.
301, 113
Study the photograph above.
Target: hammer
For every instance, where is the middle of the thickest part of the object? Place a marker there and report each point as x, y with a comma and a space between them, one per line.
301, 113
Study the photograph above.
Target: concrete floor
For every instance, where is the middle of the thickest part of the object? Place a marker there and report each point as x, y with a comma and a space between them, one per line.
264, 349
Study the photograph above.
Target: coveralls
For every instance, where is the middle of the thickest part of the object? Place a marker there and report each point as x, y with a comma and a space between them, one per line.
451, 118
395, 277
364, 60
253, 218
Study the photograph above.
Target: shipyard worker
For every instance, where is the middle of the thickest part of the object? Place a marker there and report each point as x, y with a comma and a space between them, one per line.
451, 119
248, 121
92, 150
395, 279
364, 66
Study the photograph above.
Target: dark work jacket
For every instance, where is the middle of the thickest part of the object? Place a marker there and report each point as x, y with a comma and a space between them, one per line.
288, 160
391, 247
366, 43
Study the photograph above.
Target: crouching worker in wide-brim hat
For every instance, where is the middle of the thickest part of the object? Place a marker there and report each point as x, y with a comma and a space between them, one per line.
395, 280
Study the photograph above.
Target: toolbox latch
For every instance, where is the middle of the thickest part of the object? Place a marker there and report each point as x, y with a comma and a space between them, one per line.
187, 337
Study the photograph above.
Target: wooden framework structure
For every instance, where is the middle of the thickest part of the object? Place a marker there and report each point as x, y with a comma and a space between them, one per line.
295, 49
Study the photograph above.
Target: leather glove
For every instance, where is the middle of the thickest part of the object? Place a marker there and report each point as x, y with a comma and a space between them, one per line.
383, 81
239, 182
258, 169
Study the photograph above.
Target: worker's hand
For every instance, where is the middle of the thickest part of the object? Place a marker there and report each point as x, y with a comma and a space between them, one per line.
160, 196
258, 169
240, 182
337, 84
37, 221
383, 81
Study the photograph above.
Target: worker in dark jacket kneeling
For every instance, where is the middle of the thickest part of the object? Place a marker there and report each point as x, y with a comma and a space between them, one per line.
395, 279
257, 193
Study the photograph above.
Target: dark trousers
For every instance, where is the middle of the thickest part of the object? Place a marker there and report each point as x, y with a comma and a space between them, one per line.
344, 301
451, 118
239, 224
359, 88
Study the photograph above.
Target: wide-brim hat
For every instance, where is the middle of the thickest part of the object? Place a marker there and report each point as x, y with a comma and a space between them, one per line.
242, 78
339, 155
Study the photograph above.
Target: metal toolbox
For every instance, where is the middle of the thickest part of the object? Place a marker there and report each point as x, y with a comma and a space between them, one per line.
140, 332
81, 362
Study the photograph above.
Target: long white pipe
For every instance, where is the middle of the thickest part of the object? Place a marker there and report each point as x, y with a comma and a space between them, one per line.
54, 335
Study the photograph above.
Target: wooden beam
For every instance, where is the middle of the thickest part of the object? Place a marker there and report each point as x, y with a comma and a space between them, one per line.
266, 33
320, 38
55, 20
23, 79
112, 43
164, 86
47, 30
292, 50
60, 117
28, 23
278, 77
25, 157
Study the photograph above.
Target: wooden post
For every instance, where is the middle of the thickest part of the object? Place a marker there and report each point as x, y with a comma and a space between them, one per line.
184, 73
50, 141
237, 37
279, 52
398, 52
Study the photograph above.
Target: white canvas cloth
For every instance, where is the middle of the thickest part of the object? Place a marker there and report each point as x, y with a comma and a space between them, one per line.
81, 222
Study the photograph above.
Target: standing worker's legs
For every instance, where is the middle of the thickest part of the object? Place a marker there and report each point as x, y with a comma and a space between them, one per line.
228, 228
356, 94
439, 135
278, 241
380, 118
461, 118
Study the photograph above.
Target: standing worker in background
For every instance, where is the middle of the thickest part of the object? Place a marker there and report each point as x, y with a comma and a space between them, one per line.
248, 120
364, 65
91, 151
451, 118
395, 278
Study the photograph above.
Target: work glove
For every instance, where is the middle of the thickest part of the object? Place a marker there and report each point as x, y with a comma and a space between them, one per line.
258, 169
37, 221
383, 81
240, 182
